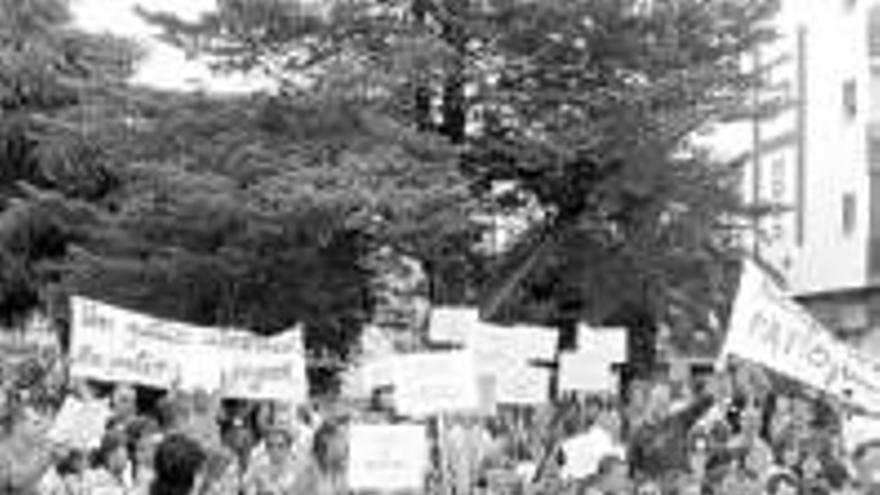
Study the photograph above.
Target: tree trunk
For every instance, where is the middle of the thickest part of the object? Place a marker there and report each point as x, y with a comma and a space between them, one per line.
454, 105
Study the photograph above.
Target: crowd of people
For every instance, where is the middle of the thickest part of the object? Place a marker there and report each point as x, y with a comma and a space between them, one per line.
729, 436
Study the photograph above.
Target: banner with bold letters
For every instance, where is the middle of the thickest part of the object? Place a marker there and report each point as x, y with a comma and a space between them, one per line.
769, 328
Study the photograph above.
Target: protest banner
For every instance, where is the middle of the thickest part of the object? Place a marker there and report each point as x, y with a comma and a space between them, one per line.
434, 382
262, 368
770, 329
387, 457
80, 424
114, 344
589, 369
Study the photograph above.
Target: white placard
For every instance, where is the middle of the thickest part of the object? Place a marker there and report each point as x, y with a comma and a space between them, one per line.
452, 325
80, 425
770, 329
589, 369
387, 457
522, 385
606, 343
435, 382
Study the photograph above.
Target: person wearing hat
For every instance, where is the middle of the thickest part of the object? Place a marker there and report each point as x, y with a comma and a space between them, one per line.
276, 472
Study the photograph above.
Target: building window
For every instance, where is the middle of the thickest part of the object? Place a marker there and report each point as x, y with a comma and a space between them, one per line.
849, 97
849, 213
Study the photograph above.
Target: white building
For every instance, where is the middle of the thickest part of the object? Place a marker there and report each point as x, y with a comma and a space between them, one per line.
821, 159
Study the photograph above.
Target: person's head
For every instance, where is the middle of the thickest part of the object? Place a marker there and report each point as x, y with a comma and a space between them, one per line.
239, 436
788, 452
279, 442
329, 446
613, 474
782, 484
698, 453
649, 486
112, 455
124, 400
750, 420
178, 466
592, 409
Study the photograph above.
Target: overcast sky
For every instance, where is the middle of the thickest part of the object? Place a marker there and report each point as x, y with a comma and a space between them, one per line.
165, 67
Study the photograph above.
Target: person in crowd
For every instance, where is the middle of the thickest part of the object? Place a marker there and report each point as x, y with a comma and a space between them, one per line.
648, 486
699, 456
583, 450
179, 465
812, 468
26, 455
740, 479
660, 444
613, 476
73, 470
786, 455
325, 473
144, 438
277, 471
111, 475
239, 440
782, 483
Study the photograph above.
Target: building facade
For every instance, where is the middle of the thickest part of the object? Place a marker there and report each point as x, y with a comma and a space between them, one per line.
818, 161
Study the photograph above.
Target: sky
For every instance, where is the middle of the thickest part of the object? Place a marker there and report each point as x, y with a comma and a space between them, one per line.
165, 67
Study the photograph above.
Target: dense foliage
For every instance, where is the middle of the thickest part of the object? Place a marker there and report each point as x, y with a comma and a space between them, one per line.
585, 106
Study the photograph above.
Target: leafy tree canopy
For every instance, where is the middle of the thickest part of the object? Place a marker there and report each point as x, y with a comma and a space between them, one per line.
587, 106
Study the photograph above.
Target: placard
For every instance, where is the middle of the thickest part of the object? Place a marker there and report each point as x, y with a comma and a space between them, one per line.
80, 424
452, 325
522, 384
434, 382
387, 457
770, 329
590, 368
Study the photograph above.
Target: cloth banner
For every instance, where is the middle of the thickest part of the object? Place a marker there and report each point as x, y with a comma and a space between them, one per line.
770, 329
114, 344
80, 424
387, 457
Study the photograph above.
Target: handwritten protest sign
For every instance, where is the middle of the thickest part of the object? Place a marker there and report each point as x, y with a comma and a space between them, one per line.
387, 457
80, 424
589, 369
453, 324
432, 382
523, 384
114, 344
772, 330
505, 354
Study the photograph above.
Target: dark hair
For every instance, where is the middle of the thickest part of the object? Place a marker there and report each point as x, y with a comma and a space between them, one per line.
111, 442
178, 460
778, 479
321, 443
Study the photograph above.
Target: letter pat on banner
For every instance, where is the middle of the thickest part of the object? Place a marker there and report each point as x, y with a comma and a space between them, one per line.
387, 457
770, 329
